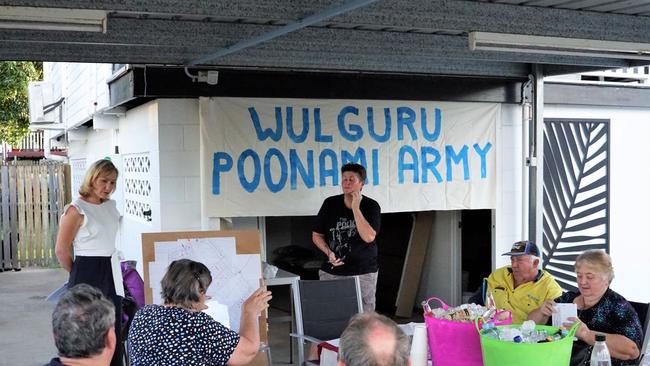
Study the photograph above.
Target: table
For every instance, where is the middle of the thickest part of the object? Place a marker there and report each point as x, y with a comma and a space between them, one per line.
286, 278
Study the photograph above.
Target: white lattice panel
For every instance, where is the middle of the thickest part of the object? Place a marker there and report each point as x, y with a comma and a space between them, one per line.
137, 186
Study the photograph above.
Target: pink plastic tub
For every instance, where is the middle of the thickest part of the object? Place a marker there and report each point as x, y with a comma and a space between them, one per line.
454, 343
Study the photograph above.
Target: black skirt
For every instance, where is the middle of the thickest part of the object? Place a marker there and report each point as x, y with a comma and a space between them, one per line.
97, 272
94, 271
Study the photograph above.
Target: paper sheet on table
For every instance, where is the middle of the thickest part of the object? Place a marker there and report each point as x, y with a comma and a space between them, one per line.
564, 311
218, 312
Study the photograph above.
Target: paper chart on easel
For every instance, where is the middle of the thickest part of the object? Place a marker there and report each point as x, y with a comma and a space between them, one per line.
234, 276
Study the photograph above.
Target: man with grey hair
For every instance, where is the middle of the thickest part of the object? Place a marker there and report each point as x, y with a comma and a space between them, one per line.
371, 339
520, 287
83, 324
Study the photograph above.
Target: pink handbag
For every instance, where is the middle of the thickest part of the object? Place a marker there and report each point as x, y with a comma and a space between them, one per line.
453, 343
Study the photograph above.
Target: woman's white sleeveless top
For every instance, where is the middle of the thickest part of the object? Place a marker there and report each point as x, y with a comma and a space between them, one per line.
96, 236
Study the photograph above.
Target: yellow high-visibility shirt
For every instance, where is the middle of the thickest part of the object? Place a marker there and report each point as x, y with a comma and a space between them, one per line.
525, 298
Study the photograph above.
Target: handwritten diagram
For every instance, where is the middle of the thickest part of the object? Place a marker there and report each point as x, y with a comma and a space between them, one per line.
234, 276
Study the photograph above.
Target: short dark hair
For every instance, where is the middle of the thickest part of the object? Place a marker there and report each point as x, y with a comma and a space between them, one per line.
355, 168
80, 322
355, 349
184, 282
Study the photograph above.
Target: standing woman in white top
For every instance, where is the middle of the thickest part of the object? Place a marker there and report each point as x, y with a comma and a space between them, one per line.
89, 227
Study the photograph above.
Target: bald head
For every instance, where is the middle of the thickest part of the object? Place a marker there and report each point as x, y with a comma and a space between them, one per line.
372, 339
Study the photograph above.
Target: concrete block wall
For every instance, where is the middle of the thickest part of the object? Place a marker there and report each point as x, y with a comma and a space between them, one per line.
138, 136
179, 144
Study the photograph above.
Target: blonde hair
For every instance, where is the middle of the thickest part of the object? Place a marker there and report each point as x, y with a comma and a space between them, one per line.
101, 167
599, 259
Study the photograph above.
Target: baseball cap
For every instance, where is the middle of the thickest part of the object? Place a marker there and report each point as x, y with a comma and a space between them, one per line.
524, 247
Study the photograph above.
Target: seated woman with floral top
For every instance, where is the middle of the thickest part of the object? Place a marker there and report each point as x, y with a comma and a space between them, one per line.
600, 310
179, 333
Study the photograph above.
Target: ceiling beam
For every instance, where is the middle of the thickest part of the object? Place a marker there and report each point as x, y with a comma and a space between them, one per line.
290, 60
453, 15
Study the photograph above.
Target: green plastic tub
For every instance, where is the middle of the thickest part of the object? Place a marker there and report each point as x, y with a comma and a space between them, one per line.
503, 353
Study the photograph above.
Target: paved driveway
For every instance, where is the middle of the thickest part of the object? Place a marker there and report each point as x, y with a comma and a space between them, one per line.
25, 316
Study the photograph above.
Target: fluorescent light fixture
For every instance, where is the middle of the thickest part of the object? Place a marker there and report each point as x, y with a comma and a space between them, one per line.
558, 46
77, 20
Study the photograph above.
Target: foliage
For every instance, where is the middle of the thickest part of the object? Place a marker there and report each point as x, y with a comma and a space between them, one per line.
14, 107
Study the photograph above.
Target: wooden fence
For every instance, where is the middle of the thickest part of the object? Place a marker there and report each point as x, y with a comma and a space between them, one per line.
32, 197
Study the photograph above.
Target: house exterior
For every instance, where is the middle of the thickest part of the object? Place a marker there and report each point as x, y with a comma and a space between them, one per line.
148, 121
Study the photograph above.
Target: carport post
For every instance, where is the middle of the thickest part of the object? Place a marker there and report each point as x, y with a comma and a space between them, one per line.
535, 163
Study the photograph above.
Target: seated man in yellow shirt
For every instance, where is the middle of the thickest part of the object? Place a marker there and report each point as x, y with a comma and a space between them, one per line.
520, 287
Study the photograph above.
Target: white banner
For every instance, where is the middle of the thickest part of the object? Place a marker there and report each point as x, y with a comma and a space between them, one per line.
282, 157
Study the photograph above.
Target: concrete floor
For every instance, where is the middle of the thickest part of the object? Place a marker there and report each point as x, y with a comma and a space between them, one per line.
25, 318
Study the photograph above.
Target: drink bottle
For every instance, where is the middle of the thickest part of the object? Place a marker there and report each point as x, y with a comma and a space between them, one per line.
490, 330
600, 353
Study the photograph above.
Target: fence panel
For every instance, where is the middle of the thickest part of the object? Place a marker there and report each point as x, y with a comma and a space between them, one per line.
6, 228
29, 213
13, 217
38, 223
22, 209
32, 198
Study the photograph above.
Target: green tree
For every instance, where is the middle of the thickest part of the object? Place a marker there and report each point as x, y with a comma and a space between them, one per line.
14, 106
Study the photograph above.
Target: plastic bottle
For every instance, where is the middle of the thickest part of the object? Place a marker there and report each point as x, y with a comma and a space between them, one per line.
509, 334
490, 330
527, 329
600, 353
489, 300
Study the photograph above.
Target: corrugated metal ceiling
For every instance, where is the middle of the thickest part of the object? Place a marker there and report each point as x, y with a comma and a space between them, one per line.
391, 36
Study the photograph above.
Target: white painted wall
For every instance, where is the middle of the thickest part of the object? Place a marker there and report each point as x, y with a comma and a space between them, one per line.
179, 164
510, 169
167, 130
138, 134
83, 86
629, 195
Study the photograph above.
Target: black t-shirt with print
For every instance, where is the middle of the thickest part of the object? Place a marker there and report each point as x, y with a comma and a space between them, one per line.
336, 222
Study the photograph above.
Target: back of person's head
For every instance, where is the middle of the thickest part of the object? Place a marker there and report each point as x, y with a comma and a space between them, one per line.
100, 168
81, 321
371, 339
355, 168
184, 282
